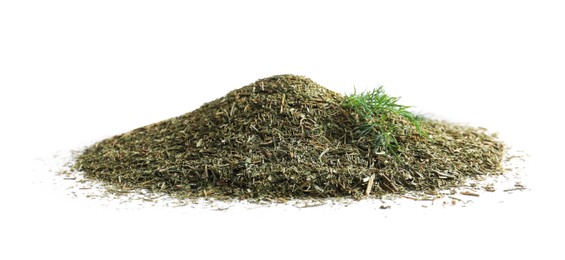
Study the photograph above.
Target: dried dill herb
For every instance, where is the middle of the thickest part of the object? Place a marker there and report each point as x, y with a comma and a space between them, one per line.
288, 137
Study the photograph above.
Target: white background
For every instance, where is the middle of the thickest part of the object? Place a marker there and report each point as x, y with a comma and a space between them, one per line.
74, 72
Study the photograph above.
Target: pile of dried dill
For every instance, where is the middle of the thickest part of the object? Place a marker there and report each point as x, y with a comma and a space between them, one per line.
287, 137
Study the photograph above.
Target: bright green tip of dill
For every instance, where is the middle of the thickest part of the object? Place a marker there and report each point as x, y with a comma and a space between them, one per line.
379, 114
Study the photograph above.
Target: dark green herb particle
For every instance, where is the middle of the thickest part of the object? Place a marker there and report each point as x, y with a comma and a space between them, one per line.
288, 137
